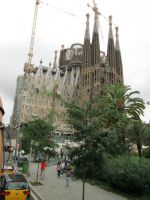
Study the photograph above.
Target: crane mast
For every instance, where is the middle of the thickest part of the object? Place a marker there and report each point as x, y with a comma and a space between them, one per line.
28, 67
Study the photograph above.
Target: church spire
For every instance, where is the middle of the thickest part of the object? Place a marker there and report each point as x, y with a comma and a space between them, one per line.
110, 36
119, 67
87, 46
117, 46
110, 46
61, 55
49, 78
87, 31
55, 61
95, 48
39, 77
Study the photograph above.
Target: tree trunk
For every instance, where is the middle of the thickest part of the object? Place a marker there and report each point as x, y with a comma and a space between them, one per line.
139, 148
37, 174
83, 188
29, 166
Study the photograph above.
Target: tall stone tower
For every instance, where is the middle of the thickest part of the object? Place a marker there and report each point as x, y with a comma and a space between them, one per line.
83, 70
99, 69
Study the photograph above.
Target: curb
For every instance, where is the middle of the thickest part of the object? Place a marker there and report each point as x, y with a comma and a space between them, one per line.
35, 193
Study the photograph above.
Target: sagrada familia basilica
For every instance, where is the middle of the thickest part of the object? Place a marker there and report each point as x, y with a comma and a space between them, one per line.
82, 71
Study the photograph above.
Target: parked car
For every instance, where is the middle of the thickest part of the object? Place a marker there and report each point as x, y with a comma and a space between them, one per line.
22, 156
8, 169
14, 187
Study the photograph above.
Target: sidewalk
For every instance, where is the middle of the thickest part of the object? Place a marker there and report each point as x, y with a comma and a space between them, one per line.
54, 188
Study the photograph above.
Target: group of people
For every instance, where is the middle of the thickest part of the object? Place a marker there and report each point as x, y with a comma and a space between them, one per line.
65, 167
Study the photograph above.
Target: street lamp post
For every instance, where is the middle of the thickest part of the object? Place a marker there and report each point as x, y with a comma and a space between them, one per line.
17, 139
17, 128
29, 166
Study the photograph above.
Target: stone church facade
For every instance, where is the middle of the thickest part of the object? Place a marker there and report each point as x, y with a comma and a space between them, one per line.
82, 72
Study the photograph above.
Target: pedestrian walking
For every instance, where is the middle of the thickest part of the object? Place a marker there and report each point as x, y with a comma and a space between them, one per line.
68, 174
61, 154
62, 168
58, 168
43, 167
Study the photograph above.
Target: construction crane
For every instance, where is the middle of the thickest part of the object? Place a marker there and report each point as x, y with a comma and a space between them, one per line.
28, 67
97, 13
57, 8
94, 8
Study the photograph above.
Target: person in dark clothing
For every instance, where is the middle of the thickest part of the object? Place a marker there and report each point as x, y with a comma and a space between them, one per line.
58, 168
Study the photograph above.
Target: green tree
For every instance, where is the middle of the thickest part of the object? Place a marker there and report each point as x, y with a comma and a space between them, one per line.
136, 132
39, 132
146, 140
87, 156
101, 125
124, 100
116, 106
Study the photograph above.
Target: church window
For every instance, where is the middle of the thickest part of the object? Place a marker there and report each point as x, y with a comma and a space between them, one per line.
83, 80
86, 80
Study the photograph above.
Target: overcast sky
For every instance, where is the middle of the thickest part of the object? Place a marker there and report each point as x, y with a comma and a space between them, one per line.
63, 22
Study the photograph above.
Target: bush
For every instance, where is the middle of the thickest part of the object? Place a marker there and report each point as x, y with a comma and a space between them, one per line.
146, 153
129, 174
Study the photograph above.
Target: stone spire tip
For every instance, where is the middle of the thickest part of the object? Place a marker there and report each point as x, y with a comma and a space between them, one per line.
87, 15
55, 60
117, 46
110, 20
87, 22
87, 31
117, 29
41, 61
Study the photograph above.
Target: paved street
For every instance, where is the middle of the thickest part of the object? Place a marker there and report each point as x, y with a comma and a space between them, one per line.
54, 188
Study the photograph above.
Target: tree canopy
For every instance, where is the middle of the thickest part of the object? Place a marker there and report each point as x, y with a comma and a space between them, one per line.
39, 132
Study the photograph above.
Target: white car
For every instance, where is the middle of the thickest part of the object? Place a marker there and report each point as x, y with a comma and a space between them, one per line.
22, 156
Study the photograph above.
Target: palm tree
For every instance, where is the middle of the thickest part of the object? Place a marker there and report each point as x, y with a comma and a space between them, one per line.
137, 131
126, 100
117, 106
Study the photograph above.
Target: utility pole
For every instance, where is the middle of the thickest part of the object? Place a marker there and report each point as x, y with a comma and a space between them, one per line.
29, 166
1, 136
17, 139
